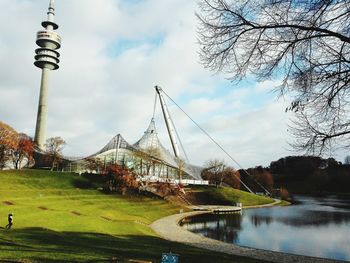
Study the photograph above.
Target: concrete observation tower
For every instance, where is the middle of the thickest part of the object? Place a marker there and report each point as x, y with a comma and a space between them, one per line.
46, 58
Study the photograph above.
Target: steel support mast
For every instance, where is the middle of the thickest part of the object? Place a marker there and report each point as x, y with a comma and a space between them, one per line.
168, 122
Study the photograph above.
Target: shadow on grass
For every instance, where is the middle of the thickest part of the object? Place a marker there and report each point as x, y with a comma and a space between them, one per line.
41, 245
89, 181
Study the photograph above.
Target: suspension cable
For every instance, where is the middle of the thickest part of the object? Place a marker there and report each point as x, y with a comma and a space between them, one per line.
216, 143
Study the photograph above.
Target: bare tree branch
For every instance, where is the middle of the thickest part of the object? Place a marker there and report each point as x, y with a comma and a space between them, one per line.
305, 42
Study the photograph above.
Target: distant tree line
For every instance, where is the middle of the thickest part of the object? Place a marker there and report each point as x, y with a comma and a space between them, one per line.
258, 179
310, 174
299, 174
261, 181
291, 174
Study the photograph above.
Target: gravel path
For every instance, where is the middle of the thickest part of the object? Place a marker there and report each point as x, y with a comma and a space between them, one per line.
169, 229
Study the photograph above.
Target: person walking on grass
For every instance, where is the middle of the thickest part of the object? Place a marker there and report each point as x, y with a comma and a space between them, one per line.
10, 219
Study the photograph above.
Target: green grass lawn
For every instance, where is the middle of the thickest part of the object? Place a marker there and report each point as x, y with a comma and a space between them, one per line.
229, 196
63, 217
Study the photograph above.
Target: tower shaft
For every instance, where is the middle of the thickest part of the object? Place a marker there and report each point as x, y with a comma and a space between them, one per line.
41, 122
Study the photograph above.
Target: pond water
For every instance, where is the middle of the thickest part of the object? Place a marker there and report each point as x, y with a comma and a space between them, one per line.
316, 226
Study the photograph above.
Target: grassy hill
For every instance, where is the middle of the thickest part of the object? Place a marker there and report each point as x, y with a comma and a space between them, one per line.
63, 217
224, 196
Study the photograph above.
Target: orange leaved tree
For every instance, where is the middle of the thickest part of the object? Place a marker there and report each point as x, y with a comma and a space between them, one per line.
23, 150
232, 177
120, 179
8, 142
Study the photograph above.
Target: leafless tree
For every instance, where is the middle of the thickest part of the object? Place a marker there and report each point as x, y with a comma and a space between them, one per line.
307, 43
54, 147
214, 171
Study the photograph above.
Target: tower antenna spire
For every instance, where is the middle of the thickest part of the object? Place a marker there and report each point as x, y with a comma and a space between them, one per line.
51, 12
46, 58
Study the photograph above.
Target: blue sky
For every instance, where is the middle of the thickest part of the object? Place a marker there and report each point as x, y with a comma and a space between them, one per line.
113, 54
120, 46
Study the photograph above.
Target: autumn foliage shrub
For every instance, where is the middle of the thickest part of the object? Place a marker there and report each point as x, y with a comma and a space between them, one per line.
232, 177
284, 194
263, 177
165, 189
120, 179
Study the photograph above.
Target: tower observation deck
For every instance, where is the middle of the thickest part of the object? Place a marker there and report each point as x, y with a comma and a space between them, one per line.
46, 58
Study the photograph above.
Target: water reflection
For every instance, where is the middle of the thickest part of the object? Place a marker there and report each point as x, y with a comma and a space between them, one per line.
301, 218
216, 226
315, 226
258, 220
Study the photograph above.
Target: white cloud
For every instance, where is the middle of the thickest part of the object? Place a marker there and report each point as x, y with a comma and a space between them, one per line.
267, 85
103, 88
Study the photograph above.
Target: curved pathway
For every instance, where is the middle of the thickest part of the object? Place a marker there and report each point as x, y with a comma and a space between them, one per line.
169, 228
